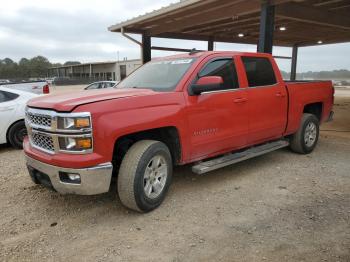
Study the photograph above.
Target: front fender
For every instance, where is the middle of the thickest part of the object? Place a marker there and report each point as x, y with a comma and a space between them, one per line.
116, 118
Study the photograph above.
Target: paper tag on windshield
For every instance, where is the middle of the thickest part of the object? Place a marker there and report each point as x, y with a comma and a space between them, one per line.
181, 61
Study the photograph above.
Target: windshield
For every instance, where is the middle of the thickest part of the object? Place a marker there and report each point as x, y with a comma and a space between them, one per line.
158, 75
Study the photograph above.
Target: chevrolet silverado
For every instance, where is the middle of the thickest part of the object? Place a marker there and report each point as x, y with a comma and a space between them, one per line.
211, 109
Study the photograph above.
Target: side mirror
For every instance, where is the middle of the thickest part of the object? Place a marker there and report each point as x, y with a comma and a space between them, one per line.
207, 84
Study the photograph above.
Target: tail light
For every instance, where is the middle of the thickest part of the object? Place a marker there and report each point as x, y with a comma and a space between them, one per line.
46, 89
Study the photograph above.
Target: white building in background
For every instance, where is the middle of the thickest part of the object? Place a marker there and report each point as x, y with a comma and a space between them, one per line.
113, 70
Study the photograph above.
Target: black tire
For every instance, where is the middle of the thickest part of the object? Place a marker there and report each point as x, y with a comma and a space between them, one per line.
132, 181
298, 142
16, 134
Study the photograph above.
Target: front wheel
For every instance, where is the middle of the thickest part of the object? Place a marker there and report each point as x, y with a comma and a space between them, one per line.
16, 134
145, 175
305, 139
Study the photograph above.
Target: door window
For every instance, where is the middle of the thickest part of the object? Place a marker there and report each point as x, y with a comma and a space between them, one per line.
7, 96
109, 85
2, 97
259, 71
224, 68
94, 86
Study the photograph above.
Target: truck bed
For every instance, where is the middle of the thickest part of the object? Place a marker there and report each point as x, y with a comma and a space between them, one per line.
307, 92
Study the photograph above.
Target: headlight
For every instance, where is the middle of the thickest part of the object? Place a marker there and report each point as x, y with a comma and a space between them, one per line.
76, 133
74, 123
75, 144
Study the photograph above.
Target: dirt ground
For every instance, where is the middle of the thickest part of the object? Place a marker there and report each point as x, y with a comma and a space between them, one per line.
277, 207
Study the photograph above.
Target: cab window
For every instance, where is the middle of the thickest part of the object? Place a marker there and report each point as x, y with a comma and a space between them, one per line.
224, 68
259, 71
7, 96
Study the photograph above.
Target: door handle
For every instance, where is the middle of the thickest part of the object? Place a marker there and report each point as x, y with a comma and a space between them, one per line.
240, 100
279, 94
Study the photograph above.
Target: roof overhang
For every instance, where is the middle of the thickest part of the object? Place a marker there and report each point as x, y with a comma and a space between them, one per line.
307, 22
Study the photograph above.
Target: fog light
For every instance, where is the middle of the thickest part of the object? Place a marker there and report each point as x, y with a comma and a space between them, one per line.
70, 178
74, 177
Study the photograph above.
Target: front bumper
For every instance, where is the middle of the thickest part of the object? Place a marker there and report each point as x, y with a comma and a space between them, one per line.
93, 180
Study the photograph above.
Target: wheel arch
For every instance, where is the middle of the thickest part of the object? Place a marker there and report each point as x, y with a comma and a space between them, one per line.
10, 126
315, 109
169, 135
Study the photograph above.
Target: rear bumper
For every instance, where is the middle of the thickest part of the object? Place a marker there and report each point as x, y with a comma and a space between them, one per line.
93, 180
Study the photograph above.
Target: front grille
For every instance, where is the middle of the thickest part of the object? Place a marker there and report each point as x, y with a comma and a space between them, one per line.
44, 132
39, 120
43, 141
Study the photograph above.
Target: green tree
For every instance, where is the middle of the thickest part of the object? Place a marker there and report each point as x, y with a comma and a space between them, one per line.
8, 68
24, 68
38, 66
56, 65
71, 63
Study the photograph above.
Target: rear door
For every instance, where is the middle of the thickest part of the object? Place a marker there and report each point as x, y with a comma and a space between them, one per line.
218, 120
267, 97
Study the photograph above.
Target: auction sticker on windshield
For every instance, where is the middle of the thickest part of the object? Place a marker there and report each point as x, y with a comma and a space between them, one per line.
173, 62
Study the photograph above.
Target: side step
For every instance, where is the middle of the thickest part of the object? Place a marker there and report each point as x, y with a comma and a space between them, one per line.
226, 160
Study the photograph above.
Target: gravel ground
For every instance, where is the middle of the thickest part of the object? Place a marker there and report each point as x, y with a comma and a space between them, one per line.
66, 89
277, 207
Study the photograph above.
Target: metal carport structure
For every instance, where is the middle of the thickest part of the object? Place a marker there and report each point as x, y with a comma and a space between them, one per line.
289, 23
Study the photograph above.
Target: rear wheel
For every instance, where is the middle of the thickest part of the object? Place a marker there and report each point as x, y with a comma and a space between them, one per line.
305, 139
16, 134
145, 175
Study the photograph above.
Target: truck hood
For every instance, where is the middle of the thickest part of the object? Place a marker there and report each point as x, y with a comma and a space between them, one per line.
68, 101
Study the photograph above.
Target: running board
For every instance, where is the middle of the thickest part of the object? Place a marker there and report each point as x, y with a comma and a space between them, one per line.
226, 160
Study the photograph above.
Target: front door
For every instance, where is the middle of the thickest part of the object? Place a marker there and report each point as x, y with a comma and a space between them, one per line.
218, 120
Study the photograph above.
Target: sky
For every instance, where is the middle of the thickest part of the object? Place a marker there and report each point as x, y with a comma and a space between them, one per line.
76, 30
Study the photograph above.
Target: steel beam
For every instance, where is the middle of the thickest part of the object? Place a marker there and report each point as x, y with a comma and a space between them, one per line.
281, 57
160, 48
210, 44
267, 24
146, 48
293, 71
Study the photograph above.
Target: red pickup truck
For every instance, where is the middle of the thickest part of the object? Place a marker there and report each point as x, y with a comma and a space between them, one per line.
211, 109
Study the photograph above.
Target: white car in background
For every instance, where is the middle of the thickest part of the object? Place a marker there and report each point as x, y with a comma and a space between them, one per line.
12, 112
101, 85
4, 81
36, 87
